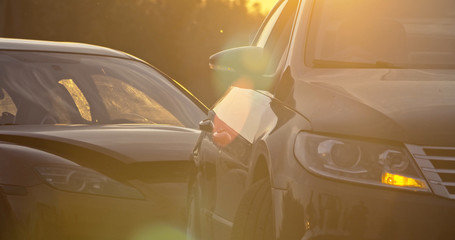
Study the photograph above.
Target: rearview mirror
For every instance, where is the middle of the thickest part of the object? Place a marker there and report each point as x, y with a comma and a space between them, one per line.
244, 60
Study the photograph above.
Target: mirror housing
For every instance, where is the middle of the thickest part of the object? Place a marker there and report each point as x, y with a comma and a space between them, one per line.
242, 60
206, 125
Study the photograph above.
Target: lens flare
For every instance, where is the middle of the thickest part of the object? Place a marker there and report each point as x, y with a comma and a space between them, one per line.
265, 5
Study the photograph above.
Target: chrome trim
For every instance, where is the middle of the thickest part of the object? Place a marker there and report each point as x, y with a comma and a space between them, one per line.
438, 170
222, 220
430, 172
436, 157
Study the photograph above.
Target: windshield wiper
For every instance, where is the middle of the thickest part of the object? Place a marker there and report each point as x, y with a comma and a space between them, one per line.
319, 63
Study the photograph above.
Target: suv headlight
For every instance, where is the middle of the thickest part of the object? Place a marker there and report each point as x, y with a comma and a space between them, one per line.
359, 161
83, 180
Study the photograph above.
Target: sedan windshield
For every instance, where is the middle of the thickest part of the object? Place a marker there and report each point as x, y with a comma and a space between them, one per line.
57, 88
382, 34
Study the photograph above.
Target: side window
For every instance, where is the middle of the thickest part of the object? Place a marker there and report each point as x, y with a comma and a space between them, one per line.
8, 109
268, 27
276, 33
127, 104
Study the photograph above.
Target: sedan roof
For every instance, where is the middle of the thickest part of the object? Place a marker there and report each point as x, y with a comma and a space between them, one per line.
63, 47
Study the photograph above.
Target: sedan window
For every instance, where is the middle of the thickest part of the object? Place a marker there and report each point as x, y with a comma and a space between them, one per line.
78, 98
7, 108
125, 103
57, 88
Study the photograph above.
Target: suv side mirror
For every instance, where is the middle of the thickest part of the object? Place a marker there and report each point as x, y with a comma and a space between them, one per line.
243, 60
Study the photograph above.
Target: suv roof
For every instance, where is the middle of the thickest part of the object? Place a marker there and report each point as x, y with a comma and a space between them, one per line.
64, 47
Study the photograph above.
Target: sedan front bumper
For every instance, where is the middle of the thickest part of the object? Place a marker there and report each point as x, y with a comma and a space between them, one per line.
46, 213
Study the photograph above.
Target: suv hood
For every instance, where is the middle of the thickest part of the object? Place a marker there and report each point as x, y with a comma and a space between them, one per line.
411, 106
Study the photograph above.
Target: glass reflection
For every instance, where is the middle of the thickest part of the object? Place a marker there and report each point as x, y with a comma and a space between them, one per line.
57, 88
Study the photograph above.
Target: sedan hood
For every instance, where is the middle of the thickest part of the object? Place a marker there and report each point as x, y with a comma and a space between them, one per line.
127, 143
411, 106
150, 153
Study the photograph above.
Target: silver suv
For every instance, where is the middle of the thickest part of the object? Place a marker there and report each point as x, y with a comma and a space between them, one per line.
339, 125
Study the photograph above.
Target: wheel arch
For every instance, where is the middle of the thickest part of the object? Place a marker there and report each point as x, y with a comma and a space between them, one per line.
260, 168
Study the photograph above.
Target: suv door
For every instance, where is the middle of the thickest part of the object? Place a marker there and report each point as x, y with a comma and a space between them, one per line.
228, 148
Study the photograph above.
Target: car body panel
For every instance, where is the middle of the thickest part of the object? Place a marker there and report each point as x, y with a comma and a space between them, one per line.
50, 46
106, 149
231, 165
380, 103
160, 176
319, 208
134, 141
79, 216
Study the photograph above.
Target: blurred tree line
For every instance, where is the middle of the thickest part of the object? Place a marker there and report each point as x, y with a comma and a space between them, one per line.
177, 36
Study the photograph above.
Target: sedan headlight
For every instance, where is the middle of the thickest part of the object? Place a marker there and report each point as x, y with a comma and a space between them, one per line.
83, 180
359, 161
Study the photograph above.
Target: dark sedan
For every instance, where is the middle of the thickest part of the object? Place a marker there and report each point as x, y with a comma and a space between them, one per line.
340, 126
94, 144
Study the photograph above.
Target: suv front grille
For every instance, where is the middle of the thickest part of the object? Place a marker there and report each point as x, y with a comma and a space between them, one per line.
438, 167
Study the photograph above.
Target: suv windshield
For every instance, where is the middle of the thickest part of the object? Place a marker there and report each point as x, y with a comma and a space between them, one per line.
382, 34
57, 88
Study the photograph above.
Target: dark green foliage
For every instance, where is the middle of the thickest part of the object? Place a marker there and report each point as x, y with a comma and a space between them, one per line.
177, 36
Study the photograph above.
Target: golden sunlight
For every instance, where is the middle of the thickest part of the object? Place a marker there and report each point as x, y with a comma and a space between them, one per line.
78, 98
266, 5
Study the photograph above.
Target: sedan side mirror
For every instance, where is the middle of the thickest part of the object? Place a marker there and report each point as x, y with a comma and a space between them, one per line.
243, 60
206, 125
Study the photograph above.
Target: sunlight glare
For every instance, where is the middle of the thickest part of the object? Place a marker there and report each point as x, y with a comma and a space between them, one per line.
266, 5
